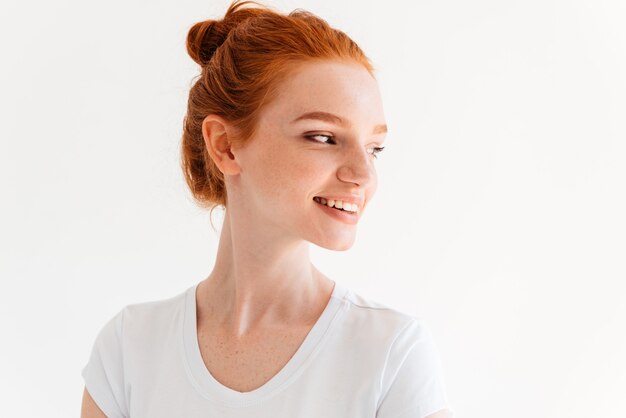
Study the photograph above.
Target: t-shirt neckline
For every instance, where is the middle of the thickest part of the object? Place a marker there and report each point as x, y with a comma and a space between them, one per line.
216, 392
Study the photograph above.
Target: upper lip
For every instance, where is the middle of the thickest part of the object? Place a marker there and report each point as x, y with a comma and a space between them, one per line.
357, 200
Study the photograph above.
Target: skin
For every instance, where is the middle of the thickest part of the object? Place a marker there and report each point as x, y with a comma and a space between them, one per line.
263, 275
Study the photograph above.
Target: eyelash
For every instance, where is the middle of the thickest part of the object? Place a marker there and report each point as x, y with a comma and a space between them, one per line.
376, 149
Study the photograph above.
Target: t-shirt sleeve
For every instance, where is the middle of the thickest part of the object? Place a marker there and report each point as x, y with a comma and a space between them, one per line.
413, 376
104, 372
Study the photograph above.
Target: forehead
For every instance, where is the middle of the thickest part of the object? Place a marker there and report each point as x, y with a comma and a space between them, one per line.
345, 89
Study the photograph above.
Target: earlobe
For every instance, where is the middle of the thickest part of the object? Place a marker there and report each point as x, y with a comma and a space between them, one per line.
218, 145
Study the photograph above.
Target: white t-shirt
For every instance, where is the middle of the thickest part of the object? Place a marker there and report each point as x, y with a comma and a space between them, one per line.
361, 359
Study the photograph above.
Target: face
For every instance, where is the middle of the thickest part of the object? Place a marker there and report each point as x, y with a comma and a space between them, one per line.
294, 158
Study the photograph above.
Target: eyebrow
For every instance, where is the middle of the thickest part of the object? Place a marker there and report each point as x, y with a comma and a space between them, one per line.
329, 117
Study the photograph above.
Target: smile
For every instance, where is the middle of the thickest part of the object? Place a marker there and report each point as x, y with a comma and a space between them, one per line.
351, 218
337, 204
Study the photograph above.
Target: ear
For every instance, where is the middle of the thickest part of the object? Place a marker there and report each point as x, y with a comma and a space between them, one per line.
215, 133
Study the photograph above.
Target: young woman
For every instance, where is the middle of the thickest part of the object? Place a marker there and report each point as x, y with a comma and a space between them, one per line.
282, 130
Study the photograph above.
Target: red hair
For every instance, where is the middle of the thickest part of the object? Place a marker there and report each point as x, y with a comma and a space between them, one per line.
243, 58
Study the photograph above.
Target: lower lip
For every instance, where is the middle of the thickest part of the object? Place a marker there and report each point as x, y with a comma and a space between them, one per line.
341, 215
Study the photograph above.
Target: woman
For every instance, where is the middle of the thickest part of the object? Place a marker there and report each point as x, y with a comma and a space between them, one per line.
282, 130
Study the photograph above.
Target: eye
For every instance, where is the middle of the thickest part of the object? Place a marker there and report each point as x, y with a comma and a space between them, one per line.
320, 135
375, 150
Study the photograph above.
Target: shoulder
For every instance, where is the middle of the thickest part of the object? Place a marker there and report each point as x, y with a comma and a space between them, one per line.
370, 319
365, 308
402, 347
150, 319
154, 309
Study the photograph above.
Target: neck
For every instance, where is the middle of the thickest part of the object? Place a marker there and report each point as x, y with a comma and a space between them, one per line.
262, 280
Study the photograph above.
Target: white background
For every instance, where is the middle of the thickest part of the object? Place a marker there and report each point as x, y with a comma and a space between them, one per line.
499, 216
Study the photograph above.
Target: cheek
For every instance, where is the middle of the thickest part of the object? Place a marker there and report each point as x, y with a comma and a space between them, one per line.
287, 173
301, 177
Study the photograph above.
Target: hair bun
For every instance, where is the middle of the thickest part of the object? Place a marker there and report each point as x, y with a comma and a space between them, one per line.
204, 38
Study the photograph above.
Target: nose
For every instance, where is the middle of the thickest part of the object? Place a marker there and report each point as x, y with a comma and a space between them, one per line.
357, 166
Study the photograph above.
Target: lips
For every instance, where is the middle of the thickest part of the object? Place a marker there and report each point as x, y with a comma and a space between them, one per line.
339, 214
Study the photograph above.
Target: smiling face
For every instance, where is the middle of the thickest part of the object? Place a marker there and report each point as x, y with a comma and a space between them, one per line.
294, 157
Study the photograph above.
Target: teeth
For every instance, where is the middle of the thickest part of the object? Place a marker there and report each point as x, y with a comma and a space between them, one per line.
348, 207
